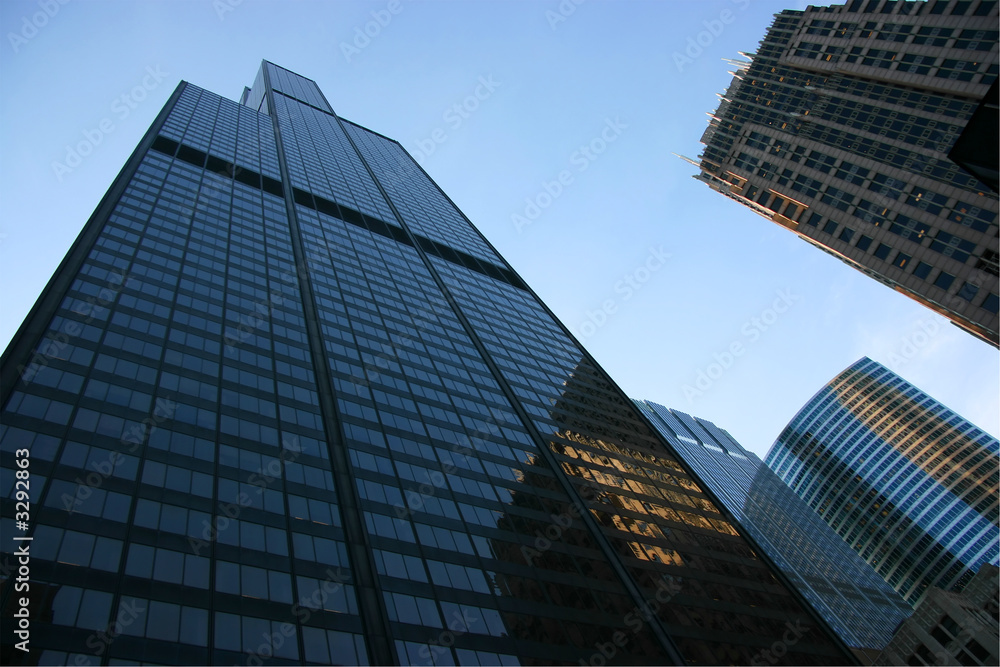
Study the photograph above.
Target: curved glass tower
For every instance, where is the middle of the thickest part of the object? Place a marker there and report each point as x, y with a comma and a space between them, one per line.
857, 603
909, 484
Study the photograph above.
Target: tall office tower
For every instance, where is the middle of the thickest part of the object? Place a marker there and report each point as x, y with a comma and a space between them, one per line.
854, 599
909, 484
839, 127
283, 403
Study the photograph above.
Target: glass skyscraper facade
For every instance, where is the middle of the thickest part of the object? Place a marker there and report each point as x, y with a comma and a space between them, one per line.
839, 127
282, 403
909, 484
854, 599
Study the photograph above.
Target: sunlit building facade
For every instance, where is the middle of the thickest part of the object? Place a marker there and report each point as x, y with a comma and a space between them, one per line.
839, 127
854, 599
283, 404
909, 484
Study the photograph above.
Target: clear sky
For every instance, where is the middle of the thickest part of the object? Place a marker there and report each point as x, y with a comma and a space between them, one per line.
655, 273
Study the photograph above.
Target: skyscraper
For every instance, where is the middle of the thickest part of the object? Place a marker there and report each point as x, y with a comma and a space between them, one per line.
951, 628
909, 484
839, 127
283, 403
854, 599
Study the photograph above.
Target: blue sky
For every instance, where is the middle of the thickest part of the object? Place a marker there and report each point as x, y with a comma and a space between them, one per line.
551, 125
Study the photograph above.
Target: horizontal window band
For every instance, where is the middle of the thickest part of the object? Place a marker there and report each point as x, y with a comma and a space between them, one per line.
217, 165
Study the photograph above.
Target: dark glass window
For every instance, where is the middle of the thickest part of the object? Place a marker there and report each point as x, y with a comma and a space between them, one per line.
830, 227
870, 212
900, 260
909, 228
837, 198
164, 621
916, 64
991, 303
140, 561
922, 270
985, 8
882, 251
227, 577
65, 604
846, 234
227, 631
76, 548
864, 242
934, 36
968, 291
168, 566
944, 280
852, 173
194, 626
254, 581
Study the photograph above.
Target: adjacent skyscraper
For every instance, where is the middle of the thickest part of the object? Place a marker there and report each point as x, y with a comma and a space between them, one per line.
951, 628
283, 403
839, 128
860, 606
909, 484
